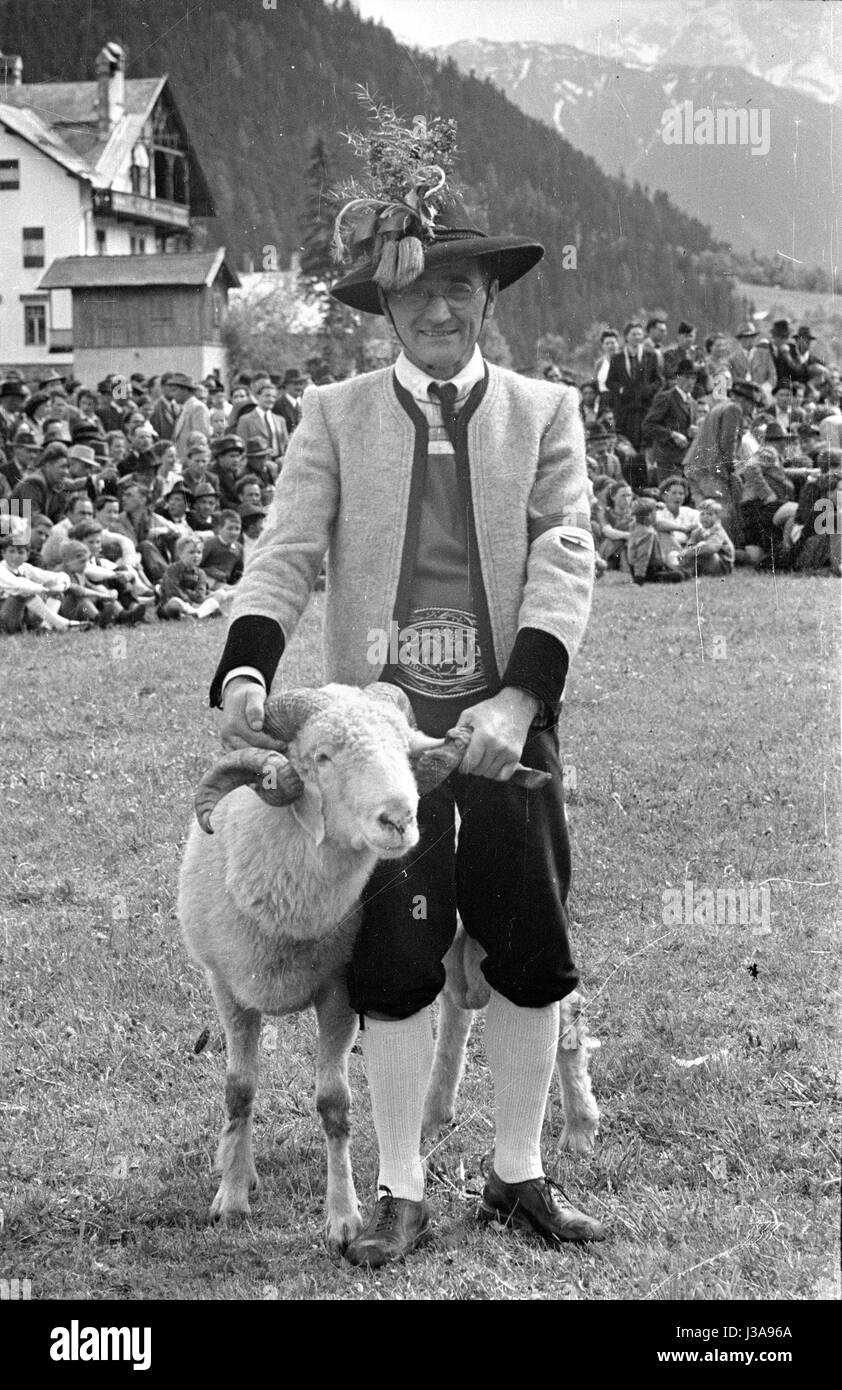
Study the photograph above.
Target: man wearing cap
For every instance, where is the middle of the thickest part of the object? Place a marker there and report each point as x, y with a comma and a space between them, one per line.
45, 488
752, 360
13, 396
21, 456
683, 347
601, 459
464, 503
256, 460
288, 403
804, 362
709, 466
670, 423
204, 505
228, 453
193, 414
165, 410
110, 411
782, 351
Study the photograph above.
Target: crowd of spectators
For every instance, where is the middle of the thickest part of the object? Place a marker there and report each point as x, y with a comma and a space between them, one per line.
703, 459
141, 498
145, 496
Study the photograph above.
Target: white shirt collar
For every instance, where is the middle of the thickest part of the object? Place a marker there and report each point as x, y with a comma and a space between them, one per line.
416, 382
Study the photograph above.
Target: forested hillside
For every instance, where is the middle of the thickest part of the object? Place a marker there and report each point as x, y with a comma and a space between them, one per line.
258, 85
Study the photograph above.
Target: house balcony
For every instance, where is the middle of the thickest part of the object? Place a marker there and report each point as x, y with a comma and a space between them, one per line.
133, 207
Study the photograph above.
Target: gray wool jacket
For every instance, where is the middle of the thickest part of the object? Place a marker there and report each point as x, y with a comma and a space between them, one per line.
345, 490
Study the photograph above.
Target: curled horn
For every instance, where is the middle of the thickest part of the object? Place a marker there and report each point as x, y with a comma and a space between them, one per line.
269, 774
284, 714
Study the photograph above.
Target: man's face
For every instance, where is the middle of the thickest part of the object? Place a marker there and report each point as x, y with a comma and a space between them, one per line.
204, 507
685, 381
14, 555
198, 458
26, 456
239, 395
56, 471
82, 510
674, 496
686, 340
38, 534
251, 494
658, 333
228, 532
266, 395
438, 336
294, 389
142, 441
634, 337
176, 505
783, 398
599, 450
231, 462
134, 500
118, 448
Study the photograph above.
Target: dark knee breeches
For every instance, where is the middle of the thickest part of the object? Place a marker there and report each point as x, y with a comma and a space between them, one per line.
508, 878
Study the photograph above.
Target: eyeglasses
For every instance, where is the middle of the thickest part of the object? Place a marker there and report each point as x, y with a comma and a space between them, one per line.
457, 296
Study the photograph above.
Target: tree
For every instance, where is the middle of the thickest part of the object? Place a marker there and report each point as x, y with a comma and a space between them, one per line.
318, 268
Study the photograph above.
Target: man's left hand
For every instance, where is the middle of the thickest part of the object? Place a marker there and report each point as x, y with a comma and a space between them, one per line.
499, 729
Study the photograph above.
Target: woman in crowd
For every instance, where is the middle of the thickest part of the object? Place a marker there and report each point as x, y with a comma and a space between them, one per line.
616, 525
674, 520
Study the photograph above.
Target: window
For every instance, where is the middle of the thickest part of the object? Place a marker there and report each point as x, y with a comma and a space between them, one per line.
33, 247
100, 241
9, 174
35, 325
139, 170
137, 245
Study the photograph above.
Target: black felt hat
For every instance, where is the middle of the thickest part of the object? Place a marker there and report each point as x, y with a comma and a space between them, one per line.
453, 238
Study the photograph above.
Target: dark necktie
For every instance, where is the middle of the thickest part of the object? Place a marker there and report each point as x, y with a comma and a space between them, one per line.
446, 396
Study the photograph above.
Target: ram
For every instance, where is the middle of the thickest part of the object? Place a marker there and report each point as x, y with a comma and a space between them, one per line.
269, 904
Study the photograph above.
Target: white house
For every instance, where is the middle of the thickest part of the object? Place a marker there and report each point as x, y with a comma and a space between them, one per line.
102, 168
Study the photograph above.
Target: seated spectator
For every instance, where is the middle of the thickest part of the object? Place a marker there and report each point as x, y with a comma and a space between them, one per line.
184, 588
196, 464
113, 574
249, 490
647, 561
204, 505
173, 506
589, 403
222, 554
257, 461
29, 596
228, 465
40, 530
764, 487
21, 457
253, 519
83, 600
632, 469
616, 525
80, 508
674, 520
118, 547
600, 457
815, 532
144, 529
710, 549
37, 409
118, 447
44, 488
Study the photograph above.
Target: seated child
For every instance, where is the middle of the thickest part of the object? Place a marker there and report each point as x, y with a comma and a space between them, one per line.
184, 587
29, 596
710, 549
646, 559
222, 554
84, 600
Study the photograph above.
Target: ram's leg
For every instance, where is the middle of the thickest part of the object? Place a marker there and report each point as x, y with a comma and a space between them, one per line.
581, 1116
234, 1156
448, 1065
337, 1030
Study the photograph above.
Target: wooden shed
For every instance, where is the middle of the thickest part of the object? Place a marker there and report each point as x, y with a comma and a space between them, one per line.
148, 313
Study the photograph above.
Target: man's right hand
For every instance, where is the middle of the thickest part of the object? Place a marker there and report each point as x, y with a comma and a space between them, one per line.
242, 716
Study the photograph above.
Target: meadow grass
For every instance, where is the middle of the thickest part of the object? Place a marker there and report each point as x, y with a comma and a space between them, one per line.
701, 733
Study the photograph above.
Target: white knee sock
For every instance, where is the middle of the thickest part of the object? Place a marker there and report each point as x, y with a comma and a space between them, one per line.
520, 1045
398, 1061
39, 609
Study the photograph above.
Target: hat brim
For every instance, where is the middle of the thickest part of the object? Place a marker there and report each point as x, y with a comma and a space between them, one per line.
510, 258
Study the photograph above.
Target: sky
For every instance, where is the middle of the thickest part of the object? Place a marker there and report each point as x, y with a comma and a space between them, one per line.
426, 22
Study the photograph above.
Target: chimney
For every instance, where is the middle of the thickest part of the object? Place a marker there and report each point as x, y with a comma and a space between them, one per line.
110, 98
11, 70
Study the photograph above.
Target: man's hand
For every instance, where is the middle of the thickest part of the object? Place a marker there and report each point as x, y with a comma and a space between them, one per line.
242, 716
500, 726
679, 438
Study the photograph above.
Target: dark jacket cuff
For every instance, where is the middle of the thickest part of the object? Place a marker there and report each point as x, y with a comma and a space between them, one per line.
257, 642
538, 663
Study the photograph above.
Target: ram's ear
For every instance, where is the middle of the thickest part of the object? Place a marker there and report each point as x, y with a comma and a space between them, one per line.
308, 812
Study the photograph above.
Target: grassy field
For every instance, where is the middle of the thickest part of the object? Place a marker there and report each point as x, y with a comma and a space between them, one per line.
701, 730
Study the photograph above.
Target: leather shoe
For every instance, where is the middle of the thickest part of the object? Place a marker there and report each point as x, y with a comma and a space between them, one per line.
396, 1227
535, 1205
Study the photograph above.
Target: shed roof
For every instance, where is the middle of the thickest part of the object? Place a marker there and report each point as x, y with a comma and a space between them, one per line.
193, 268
